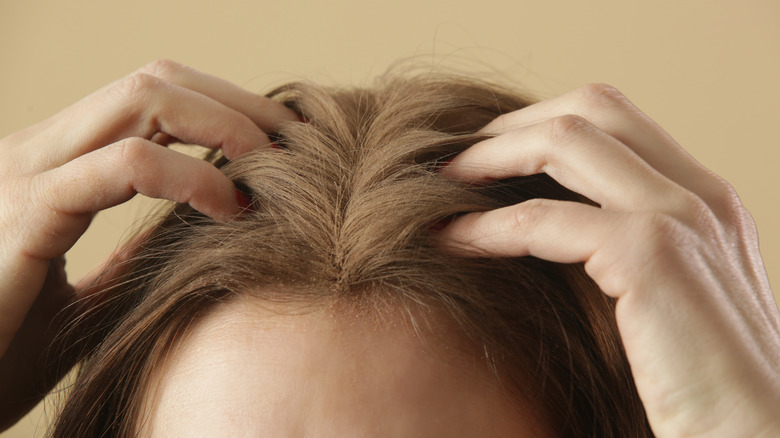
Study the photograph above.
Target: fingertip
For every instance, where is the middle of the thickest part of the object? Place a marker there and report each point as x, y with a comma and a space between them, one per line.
442, 166
275, 113
446, 236
239, 206
218, 200
224, 216
458, 248
454, 169
244, 200
439, 225
292, 116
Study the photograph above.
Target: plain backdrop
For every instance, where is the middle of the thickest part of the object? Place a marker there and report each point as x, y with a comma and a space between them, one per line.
706, 70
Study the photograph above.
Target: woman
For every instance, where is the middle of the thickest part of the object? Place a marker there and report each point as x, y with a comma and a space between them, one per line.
389, 286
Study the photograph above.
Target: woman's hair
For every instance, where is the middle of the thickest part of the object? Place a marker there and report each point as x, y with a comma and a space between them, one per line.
347, 211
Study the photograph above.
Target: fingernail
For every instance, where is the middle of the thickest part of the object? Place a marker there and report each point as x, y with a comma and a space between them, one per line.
443, 165
440, 224
243, 200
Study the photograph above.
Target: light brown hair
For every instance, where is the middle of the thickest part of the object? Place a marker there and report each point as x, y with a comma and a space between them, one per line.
348, 210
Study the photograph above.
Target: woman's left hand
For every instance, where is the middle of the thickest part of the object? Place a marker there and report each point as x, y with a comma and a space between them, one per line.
671, 241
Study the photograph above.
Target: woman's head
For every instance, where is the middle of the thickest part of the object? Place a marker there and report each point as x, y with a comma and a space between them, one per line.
331, 296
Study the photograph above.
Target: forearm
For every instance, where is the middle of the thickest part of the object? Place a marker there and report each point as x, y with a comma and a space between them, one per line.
34, 361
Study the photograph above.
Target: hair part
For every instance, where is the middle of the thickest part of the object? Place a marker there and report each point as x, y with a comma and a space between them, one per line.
346, 212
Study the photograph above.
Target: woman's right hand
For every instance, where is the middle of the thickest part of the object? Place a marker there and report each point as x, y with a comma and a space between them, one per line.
98, 153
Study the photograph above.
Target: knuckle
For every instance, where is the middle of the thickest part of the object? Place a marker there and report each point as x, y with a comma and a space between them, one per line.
701, 215
697, 214
691, 206
726, 197
564, 127
162, 68
42, 194
137, 86
728, 204
133, 150
659, 232
744, 224
599, 95
530, 212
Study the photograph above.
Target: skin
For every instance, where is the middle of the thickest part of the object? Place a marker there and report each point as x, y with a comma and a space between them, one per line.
671, 241
56, 175
255, 369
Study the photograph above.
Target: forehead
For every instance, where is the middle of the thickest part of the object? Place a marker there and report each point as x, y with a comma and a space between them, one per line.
253, 369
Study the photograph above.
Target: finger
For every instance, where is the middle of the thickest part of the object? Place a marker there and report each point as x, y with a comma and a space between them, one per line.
263, 111
114, 174
142, 105
612, 112
164, 139
558, 231
139, 166
580, 157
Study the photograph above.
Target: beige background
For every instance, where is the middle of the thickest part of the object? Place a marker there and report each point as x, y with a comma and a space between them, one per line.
706, 70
